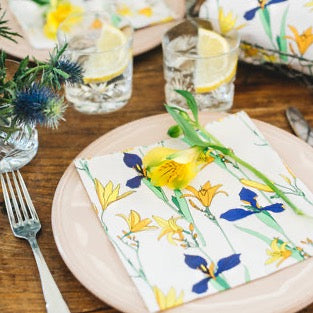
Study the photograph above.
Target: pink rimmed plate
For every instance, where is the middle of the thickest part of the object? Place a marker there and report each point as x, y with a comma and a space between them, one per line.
145, 39
88, 253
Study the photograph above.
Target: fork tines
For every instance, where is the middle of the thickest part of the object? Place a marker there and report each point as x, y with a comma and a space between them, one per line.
20, 208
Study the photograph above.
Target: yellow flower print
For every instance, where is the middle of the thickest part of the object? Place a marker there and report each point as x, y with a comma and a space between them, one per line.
278, 252
108, 194
271, 58
205, 194
169, 300
309, 5
289, 170
172, 168
286, 179
256, 185
169, 228
303, 41
96, 24
307, 241
147, 11
135, 223
249, 50
124, 10
57, 14
258, 53
227, 22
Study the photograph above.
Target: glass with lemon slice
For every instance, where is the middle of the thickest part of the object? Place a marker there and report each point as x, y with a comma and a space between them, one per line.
200, 59
102, 44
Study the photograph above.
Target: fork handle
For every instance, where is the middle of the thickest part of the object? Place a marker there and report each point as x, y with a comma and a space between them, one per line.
54, 300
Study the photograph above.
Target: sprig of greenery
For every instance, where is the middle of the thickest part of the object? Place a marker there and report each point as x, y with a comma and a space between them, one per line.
5, 31
42, 2
31, 95
196, 135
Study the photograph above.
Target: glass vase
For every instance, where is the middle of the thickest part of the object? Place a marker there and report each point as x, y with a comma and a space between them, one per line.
19, 148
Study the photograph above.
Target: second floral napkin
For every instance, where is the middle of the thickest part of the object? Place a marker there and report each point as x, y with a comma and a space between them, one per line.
40, 22
222, 230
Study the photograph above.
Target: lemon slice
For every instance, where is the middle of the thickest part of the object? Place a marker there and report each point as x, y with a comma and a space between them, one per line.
220, 65
108, 62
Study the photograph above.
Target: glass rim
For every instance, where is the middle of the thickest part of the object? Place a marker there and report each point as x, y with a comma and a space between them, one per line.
193, 56
127, 45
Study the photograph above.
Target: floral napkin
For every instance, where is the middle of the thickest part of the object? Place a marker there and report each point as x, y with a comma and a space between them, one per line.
145, 12
35, 19
272, 31
224, 229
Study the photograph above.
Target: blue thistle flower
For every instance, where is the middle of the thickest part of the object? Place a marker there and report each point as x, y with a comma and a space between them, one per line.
38, 105
72, 69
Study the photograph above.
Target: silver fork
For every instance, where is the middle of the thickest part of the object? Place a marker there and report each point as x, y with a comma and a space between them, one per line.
25, 224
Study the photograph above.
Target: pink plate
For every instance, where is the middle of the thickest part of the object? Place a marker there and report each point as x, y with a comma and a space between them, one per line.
88, 253
145, 39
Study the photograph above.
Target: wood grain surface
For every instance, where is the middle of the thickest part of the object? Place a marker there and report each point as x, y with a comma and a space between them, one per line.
263, 94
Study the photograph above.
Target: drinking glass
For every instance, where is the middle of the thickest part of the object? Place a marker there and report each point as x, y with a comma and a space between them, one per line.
200, 59
101, 43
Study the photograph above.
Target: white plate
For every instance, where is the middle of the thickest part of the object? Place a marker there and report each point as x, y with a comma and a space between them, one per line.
145, 39
88, 253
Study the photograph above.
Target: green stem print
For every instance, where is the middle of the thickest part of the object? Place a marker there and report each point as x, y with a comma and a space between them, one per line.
107, 195
280, 250
205, 196
293, 188
263, 216
262, 140
183, 210
265, 18
134, 245
281, 39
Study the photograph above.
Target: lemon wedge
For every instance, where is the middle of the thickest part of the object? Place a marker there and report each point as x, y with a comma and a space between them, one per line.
217, 65
108, 62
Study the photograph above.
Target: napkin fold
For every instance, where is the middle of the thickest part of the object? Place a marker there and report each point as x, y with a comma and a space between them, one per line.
141, 13
223, 230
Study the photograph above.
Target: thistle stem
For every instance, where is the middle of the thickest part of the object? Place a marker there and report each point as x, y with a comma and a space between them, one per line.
33, 69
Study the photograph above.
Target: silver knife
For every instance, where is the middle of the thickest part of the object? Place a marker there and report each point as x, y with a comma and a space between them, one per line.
299, 125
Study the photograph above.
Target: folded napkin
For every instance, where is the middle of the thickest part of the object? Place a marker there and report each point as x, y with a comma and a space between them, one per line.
140, 13
223, 230
277, 31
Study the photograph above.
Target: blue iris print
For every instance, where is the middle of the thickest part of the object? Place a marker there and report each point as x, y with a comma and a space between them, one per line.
134, 161
252, 207
212, 271
249, 15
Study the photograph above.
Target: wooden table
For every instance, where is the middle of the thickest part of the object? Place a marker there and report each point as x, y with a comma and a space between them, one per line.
264, 95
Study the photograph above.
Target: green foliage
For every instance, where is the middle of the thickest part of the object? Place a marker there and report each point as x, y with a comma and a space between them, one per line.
175, 131
191, 102
30, 83
187, 127
30, 96
42, 2
5, 31
196, 135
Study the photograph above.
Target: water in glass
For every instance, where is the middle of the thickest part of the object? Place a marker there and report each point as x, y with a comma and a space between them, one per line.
210, 78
